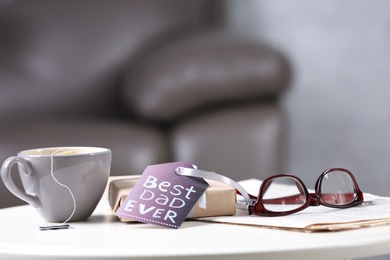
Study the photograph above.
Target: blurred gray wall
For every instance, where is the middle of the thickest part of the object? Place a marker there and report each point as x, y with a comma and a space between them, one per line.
339, 104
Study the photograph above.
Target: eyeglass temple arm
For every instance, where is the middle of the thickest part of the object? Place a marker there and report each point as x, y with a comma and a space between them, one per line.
216, 177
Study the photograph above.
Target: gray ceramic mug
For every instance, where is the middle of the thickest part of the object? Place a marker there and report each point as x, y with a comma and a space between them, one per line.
60, 181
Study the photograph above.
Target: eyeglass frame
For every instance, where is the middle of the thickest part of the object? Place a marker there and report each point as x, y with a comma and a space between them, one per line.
251, 200
311, 199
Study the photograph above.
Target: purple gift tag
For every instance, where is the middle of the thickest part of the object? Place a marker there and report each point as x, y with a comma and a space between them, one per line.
162, 197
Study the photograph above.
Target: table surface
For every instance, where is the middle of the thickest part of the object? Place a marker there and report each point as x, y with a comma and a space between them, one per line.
103, 236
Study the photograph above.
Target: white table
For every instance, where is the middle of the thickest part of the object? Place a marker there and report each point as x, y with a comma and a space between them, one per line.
105, 237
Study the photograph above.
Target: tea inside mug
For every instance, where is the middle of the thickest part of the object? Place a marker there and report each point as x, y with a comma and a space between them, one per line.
63, 151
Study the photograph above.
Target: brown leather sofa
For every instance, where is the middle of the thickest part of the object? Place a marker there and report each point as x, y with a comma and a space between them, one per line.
154, 81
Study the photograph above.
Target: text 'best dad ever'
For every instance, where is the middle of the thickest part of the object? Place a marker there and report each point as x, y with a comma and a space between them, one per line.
160, 199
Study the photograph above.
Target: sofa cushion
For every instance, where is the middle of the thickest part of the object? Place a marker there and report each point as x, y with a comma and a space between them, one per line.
197, 71
241, 143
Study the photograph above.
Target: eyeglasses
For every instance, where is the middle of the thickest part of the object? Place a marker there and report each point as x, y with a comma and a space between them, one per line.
285, 194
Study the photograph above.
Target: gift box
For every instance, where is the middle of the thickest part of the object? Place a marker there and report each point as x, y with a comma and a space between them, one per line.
219, 199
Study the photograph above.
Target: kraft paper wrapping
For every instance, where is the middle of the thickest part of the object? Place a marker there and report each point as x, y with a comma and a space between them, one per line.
219, 199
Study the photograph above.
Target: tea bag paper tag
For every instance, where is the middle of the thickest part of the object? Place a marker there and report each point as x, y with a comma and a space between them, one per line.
162, 197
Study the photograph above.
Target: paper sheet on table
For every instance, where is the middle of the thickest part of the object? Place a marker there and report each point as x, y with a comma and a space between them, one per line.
374, 211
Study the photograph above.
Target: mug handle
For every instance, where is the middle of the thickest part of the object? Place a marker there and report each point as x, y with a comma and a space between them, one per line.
10, 184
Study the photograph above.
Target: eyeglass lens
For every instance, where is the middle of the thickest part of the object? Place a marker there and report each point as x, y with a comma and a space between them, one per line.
283, 194
337, 188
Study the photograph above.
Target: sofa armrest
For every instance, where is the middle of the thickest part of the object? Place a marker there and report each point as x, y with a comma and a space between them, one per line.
203, 70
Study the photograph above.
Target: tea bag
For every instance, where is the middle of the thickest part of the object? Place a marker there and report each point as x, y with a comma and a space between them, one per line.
54, 226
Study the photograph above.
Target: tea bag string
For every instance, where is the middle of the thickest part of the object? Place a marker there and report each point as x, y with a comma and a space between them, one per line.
61, 184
